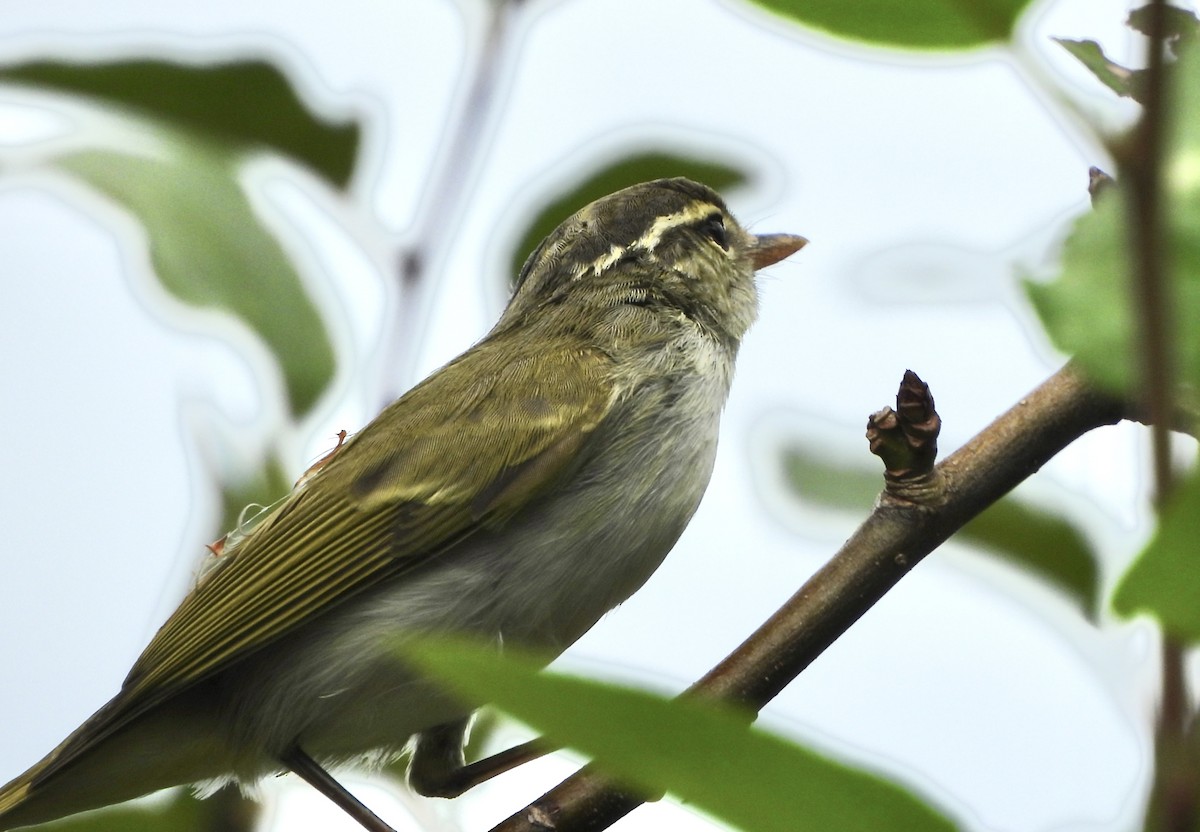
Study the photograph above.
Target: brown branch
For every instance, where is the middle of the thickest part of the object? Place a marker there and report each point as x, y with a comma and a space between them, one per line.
1174, 799
901, 530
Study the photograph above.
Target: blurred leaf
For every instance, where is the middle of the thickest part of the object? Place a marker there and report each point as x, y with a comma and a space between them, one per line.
1014, 531
705, 754
1181, 175
1041, 543
1088, 310
244, 103
210, 250
629, 171
1164, 580
1182, 25
1114, 76
268, 485
917, 24
180, 811
814, 479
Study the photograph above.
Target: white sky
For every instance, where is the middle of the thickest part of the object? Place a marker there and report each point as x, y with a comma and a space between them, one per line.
921, 185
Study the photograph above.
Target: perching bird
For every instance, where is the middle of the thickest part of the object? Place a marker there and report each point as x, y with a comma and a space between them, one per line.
517, 494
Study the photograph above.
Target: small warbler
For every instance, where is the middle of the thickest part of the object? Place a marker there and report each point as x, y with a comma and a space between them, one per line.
516, 495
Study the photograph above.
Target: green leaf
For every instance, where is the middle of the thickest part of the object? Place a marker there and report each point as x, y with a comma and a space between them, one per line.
1182, 25
269, 484
211, 251
918, 24
242, 103
706, 755
1164, 579
629, 171
179, 812
1043, 544
1114, 76
1089, 310
1181, 175
815, 479
1012, 530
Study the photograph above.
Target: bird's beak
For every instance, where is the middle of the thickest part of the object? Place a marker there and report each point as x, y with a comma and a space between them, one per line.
771, 248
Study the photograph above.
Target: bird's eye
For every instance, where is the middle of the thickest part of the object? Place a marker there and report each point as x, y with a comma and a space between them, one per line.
714, 228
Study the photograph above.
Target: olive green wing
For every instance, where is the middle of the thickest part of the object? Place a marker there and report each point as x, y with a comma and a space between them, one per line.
464, 450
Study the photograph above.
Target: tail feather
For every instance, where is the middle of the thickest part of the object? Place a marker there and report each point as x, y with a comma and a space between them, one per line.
162, 748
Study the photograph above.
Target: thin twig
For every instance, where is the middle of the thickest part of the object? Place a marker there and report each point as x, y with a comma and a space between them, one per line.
1150, 280
897, 535
447, 191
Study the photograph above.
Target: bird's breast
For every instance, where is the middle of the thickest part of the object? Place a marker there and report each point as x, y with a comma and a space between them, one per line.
589, 547
541, 580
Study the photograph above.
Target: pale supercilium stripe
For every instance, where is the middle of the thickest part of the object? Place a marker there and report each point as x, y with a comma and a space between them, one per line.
694, 212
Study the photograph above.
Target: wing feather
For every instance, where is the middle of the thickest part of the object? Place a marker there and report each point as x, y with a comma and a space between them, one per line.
441, 462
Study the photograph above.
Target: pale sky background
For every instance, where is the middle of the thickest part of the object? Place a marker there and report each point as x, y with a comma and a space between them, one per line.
924, 185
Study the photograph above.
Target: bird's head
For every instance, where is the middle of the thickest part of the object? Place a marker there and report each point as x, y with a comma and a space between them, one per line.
670, 244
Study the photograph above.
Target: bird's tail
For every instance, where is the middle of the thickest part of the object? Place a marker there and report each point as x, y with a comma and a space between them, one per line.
162, 748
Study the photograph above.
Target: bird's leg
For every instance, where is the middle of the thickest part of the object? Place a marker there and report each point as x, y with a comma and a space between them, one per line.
321, 780
438, 769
